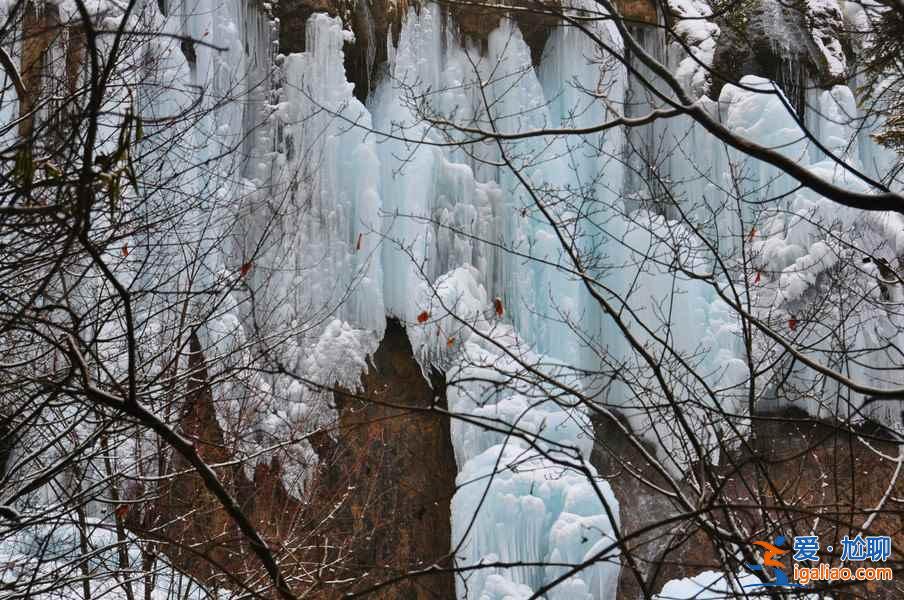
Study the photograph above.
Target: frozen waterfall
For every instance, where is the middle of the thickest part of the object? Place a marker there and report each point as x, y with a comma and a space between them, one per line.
609, 266
403, 207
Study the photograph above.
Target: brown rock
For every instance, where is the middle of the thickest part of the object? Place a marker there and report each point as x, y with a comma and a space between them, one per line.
377, 507
813, 469
404, 471
639, 12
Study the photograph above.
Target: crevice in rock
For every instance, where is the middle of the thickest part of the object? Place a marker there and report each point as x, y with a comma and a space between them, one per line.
377, 506
401, 458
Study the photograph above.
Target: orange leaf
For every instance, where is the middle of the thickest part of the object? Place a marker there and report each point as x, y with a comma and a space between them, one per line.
125, 249
422, 318
757, 278
450, 342
792, 324
360, 239
752, 234
497, 306
246, 267
122, 510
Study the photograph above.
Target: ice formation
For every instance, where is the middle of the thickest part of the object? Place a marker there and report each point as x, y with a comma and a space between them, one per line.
428, 210
483, 311
493, 254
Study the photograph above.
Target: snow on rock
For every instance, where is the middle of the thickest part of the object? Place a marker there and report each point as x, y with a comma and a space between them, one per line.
454, 244
708, 585
758, 112
699, 35
714, 585
803, 245
398, 225
349, 212
802, 274
825, 24
340, 355
347, 226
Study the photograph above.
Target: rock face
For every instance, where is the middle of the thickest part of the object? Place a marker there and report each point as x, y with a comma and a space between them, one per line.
626, 469
377, 504
794, 44
189, 521
399, 457
638, 12
377, 22
818, 470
